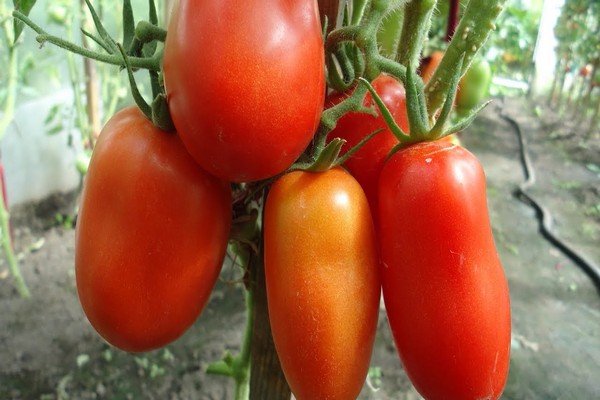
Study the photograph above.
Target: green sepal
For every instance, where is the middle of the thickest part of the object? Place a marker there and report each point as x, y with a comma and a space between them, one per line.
96, 40
438, 129
416, 120
327, 158
135, 92
104, 36
385, 113
465, 122
161, 117
341, 160
128, 24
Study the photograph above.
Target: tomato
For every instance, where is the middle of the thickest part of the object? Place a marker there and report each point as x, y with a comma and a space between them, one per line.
245, 83
322, 281
585, 70
151, 235
366, 164
444, 288
430, 64
474, 85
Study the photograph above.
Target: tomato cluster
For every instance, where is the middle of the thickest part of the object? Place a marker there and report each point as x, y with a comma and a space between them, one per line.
156, 214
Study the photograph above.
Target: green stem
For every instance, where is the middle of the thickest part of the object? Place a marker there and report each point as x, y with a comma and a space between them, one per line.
13, 264
147, 32
242, 378
149, 63
11, 84
8, 114
80, 109
358, 10
238, 368
472, 32
414, 31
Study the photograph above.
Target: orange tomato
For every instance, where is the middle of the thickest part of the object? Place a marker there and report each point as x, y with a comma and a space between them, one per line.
323, 286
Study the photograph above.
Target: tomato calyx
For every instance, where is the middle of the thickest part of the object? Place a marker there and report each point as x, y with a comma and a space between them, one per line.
421, 128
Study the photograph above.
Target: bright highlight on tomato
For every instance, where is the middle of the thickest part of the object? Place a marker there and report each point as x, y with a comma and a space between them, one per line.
323, 287
444, 288
151, 235
245, 83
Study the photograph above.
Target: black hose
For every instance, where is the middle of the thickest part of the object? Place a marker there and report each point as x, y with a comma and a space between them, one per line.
544, 217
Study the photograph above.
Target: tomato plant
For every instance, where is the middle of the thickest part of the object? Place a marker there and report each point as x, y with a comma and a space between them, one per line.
444, 288
244, 87
322, 281
151, 235
245, 95
353, 127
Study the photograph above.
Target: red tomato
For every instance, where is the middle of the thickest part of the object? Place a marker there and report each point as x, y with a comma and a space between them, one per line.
151, 235
366, 164
245, 83
322, 279
444, 288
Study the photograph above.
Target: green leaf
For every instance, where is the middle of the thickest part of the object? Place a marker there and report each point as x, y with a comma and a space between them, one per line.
52, 114
25, 7
128, 24
55, 130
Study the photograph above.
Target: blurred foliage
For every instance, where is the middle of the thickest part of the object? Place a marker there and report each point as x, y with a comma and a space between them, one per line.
578, 33
510, 49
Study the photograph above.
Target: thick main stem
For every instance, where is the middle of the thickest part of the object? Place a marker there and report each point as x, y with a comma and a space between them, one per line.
416, 25
267, 381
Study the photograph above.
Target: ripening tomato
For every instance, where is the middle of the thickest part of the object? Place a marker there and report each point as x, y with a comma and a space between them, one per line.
430, 64
444, 289
151, 235
366, 164
322, 279
245, 83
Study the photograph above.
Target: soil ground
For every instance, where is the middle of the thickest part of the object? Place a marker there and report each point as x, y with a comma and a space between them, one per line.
49, 351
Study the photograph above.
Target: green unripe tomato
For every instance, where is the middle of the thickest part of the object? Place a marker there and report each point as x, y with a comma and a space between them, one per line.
473, 86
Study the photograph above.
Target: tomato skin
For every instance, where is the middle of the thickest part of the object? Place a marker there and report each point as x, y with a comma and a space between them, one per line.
430, 65
322, 279
151, 235
474, 85
365, 165
444, 289
245, 83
